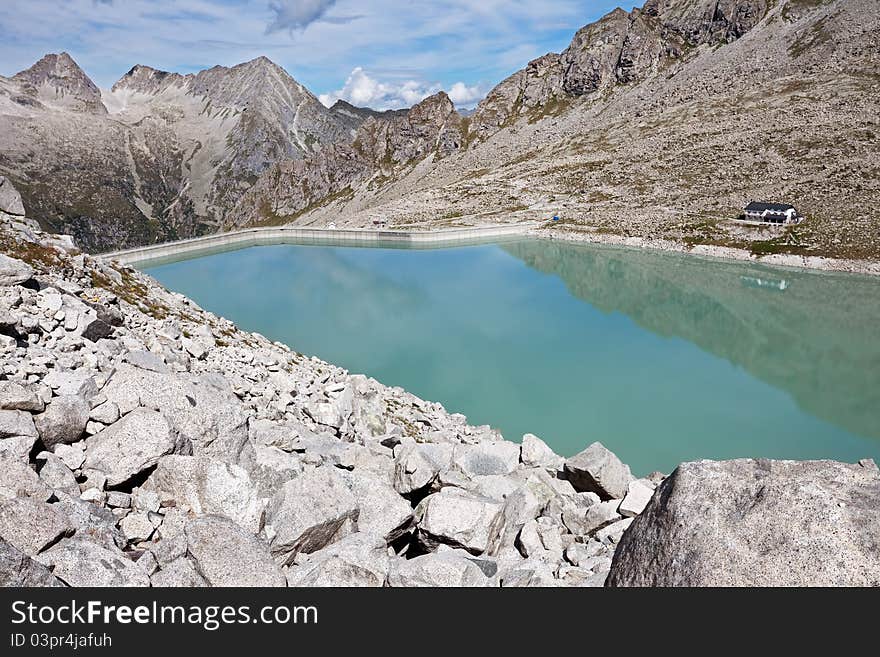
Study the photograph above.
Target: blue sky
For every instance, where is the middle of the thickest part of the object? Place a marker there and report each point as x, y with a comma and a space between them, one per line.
381, 53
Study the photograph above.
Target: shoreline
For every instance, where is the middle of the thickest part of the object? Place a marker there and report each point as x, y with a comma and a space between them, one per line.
460, 236
818, 263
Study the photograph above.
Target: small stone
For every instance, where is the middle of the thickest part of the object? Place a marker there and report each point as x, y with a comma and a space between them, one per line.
137, 527
118, 499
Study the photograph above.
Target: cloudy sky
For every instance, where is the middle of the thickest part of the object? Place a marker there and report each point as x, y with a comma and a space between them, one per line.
378, 53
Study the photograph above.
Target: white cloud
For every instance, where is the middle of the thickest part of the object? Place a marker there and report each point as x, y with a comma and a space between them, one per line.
363, 90
467, 96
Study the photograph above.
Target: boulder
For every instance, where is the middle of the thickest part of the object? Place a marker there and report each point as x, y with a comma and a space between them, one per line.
436, 570
16, 423
383, 511
535, 453
17, 447
487, 458
96, 523
10, 199
202, 485
359, 560
18, 570
457, 518
524, 504
310, 512
63, 421
16, 397
133, 444
80, 562
56, 475
211, 418
228, 555
31, 525
416, 465
17, 479
179, 573
752, 522
13, 271
598, 470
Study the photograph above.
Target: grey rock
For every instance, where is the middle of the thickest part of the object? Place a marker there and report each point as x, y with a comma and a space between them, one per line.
436, 570
63, 421
311, 512
417, 465
212, 419
17, 447
270, 468
527, 573
13, 271
90, 521
358, 560
14, 396
10, 199
19, 570
56, 475
80, 562
132, 445
203, 485
146, 360
598, 470
228, 555
457, 518
535, 453
136, 527
16, 423
179, 573
382, 511
487, 458
756, 523
31, 525
17, 479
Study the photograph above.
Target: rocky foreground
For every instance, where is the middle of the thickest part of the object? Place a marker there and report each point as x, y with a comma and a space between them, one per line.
147, 442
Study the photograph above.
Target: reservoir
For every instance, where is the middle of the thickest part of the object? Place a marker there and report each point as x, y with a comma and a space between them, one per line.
662, 357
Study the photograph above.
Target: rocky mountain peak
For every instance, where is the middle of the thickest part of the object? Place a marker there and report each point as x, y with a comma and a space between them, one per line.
57, 80
146, 79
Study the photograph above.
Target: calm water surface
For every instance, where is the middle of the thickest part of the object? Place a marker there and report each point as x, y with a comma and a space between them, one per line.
664, 358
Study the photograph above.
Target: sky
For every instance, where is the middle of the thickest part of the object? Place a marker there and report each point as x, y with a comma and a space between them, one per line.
377, 53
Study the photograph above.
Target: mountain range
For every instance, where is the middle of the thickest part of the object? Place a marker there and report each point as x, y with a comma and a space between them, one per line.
660, 123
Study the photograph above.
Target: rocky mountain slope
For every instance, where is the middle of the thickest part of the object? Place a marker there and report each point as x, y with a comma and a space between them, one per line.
147, 442
159, 156
661, 124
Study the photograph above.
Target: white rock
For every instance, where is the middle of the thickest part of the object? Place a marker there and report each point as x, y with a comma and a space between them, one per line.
637, 497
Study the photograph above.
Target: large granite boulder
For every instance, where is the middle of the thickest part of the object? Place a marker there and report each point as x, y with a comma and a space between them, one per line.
18, 569
757, 523
228, 555
598, 470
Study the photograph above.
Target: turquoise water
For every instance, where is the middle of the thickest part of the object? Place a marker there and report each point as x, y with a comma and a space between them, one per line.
664, 358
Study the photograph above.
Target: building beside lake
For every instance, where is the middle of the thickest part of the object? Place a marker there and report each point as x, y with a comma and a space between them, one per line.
770, 213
